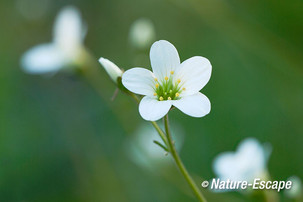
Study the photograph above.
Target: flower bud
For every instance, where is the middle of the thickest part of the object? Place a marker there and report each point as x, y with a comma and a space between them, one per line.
112, 70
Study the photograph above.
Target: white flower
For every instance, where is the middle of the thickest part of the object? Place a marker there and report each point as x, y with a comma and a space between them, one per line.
296, 188
170, 83
112, 70
246, 164
65, 49
142, 33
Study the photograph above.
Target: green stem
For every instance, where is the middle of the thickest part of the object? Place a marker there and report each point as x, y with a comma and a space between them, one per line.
161, 133
135, 97
180, 164
160, 145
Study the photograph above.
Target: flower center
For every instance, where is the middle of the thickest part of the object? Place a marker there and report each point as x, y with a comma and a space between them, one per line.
168, 89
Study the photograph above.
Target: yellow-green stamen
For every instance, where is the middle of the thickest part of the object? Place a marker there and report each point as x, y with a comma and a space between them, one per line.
168, 88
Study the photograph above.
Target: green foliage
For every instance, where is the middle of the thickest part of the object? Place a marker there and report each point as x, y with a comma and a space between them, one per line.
60, 142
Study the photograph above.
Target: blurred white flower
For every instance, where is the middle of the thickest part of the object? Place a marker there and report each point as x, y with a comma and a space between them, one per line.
296, 190
144, 152
170, 84
112, 69
63, 51
142, 33
246, 164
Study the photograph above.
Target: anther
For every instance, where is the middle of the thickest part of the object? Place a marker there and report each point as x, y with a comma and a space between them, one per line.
155, 94
179, 80
172, 72
183, 88
156, 79
177, 94
157, 85
166, 78
169, 98
161, 98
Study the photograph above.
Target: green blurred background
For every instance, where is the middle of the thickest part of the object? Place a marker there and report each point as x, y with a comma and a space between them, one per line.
60, 141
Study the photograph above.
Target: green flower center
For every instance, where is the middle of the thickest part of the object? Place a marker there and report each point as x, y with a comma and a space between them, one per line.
168, 89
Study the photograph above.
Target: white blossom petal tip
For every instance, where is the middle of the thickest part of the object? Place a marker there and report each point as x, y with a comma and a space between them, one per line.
112, 69
170, 83
164, 58
196, 71
69, 29
42, 59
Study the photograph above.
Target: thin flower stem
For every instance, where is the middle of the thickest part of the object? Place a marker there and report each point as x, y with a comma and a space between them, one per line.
160, 145
180, 164
135, 97
161, 133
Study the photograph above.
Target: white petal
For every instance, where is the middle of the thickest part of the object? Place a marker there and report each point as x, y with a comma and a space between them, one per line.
113, 70
226, 167
152, 110
247, 163
164, 58
43, 58
139, 80
196, 105
68, 29
194, 74
251, 149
